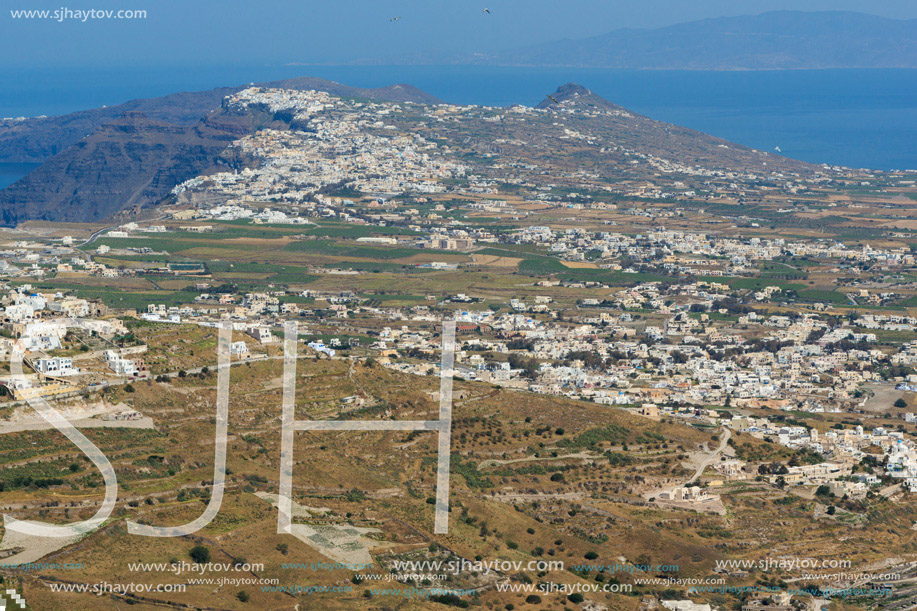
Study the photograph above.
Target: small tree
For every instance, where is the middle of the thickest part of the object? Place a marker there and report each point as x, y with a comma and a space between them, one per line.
901, 402
200, 554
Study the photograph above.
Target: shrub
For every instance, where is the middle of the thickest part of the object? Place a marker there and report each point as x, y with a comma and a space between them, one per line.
200, 554
450, 599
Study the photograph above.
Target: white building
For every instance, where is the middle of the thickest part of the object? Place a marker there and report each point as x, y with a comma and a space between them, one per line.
319, 346
56, 366
119, 364
262, 334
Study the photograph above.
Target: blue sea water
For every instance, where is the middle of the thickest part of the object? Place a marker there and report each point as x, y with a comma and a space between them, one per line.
858, 118
11, 172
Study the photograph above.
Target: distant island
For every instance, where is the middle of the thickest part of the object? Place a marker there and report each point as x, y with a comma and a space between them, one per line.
779, 40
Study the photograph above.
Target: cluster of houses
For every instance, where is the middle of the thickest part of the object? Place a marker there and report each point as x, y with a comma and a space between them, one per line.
335, 139
696, 253
687, 360
844, 448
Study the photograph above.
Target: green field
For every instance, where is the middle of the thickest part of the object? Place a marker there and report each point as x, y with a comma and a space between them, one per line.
821, 296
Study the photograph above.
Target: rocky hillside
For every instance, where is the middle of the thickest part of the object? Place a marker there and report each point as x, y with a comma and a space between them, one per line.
127, 163
35, 140
615, 124
99, 162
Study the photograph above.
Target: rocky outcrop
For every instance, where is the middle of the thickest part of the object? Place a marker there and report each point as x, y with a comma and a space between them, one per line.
128, 163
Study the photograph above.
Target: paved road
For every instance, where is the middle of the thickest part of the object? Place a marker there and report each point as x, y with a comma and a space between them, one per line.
95, 235
92, 238
727, 434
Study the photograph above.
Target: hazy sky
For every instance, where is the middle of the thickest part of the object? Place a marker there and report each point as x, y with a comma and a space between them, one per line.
307, 31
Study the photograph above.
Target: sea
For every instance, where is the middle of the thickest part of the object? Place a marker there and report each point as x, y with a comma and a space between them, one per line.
856, 118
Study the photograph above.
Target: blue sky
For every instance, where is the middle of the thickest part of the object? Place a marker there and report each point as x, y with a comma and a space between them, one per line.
226, 32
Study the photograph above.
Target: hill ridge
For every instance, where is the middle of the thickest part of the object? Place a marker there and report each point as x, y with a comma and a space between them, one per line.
775, 40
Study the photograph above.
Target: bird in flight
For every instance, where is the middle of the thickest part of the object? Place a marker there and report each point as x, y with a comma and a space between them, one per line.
552, 98
395, 18
487, 10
